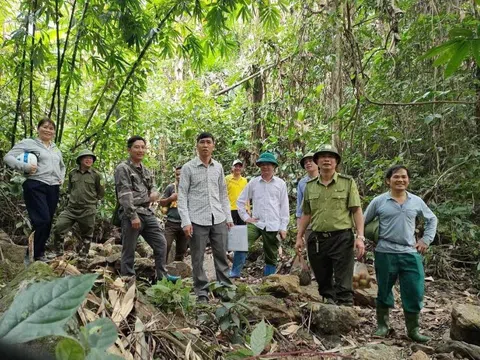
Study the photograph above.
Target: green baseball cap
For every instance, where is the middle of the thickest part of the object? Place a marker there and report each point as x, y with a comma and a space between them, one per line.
267, 157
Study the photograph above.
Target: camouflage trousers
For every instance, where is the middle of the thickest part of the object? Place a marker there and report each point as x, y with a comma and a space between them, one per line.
64, 224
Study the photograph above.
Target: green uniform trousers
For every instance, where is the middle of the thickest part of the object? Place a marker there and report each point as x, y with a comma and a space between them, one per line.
65, 222
408, 268
270, 242
331, 257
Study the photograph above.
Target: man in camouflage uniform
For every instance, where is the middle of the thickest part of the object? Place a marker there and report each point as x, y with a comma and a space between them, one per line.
135, 192
332, 204
85, 189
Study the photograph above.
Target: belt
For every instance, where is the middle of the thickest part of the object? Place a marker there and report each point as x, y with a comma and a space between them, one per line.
328, 234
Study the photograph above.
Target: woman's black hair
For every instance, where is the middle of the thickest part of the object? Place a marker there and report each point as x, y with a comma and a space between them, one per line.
46, 120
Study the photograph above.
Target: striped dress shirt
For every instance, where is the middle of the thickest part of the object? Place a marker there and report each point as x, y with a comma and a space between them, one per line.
202, 193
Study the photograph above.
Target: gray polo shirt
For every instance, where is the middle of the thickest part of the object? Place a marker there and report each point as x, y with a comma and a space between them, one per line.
397, 222
50, 170
202, 193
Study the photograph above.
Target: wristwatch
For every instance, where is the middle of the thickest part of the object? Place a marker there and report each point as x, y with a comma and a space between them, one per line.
361, 237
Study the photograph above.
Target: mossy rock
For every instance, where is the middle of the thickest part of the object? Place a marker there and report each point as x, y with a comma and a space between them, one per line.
8, 270
37, 271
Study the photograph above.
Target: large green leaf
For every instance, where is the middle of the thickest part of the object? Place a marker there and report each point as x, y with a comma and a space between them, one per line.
96, 354
440, 49
461, 33
457, 58
258, 339
475, 49
44, 308
100, 334
69, 349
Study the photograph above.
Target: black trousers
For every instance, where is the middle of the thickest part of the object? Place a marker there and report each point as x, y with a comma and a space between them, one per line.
237, 220
332, 261
41, 201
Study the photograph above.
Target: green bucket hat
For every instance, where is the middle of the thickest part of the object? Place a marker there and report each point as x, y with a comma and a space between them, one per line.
305, 157
327, 148
267, 157
85, 152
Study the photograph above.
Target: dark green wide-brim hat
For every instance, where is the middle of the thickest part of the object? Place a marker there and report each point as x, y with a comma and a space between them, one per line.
329, 149
267, 157
85, 152
305, 157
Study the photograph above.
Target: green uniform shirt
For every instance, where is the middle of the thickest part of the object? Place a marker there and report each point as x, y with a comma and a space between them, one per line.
84, 189
330, 205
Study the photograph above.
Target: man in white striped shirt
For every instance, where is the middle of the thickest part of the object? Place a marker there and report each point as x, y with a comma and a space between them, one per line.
204, 208
270, 214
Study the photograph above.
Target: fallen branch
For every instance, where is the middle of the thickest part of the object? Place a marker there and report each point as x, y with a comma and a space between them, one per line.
303, 352
221, 92
418, 103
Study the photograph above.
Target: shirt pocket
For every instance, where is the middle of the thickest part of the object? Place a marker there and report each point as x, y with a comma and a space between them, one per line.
314, 202
136, 182
89, 183
339, 199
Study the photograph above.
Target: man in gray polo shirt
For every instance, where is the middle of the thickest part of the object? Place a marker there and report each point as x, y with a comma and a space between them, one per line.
398, 253
205, 212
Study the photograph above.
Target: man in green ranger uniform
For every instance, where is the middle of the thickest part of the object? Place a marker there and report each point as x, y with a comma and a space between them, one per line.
85, 189
332, 204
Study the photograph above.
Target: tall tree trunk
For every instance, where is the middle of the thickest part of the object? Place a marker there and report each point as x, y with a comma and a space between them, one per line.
56, 87
337, 83
32, 55
20, 83
71, 71
59, 63
258, 130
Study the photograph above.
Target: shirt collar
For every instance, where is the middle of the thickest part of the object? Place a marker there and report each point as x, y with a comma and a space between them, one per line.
334, 178
199, 162
88, 171
262, 179
389, 195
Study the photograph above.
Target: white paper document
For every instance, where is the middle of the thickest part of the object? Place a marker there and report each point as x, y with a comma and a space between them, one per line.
238, 238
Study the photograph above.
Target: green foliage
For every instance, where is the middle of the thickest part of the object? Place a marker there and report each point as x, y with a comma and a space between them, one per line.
69, 349
260, 338
232, 321
170, 296
44, 308
224, 291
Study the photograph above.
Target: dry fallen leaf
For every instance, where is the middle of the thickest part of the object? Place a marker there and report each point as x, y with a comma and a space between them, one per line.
125, 306
292, 329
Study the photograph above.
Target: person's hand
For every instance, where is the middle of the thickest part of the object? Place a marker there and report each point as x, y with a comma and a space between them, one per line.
33, 169
230, 225
360, 246
188, 230
154, 196
174, 197
136, 223
299, 245
421, 246
283, 234
251, 220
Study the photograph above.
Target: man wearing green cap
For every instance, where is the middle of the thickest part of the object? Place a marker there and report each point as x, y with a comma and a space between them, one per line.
330, 202
309, 165
85, 189
270, 214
